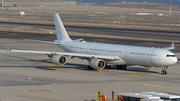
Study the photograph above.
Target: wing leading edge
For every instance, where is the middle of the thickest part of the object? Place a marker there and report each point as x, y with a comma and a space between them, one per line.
66, 54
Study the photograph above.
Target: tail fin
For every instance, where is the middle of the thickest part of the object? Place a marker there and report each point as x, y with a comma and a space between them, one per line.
60, 30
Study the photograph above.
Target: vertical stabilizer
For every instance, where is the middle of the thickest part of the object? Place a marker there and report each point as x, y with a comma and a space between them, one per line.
60, 30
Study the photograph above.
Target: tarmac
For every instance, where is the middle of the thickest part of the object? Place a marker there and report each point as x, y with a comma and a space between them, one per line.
72, 82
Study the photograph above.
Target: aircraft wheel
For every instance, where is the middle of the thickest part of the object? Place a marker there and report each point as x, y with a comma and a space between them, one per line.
124, 67
121, 67
162, 72
117, 67
108, 67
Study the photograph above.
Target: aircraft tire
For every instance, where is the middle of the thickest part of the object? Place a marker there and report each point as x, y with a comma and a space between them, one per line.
121, 67
162, 72
117, 67
108, 67
124, 67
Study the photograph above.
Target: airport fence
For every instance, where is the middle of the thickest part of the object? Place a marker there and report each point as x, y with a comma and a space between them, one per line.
122, 19
103, 18
150, 20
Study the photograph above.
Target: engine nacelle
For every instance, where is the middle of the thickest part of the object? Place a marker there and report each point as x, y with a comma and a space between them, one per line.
97, 63
58, 59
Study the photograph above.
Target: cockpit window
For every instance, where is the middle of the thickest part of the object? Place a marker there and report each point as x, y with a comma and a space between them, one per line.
170, 55
167, 55
173, 56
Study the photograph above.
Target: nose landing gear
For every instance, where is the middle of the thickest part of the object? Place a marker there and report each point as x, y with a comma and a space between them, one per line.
164, 72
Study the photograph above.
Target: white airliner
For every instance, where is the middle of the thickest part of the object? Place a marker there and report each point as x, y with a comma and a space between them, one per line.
102, 55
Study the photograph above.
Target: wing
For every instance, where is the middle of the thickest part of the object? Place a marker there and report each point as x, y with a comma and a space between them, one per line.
67, 54
169, 48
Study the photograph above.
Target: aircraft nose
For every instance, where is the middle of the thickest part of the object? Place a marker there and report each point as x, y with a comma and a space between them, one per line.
174, 60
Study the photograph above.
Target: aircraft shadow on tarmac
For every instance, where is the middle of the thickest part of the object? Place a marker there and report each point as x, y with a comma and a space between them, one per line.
27, 59
131, 68
142, 70
46, 67
67, 66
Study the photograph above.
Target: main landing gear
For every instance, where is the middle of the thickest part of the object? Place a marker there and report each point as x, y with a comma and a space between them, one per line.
106, 67
164, 72
122, 67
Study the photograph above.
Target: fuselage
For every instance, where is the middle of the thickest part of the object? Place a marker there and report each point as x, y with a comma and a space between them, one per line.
145, 56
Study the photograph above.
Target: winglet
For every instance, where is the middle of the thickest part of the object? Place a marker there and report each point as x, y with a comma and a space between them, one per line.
6, 47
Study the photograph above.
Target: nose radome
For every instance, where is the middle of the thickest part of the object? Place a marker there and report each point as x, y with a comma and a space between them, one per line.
174, 60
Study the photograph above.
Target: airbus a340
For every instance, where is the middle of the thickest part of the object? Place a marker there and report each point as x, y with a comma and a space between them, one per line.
102, 55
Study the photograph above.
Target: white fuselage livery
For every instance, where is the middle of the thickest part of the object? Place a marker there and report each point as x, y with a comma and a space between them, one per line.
129, 54
102, 55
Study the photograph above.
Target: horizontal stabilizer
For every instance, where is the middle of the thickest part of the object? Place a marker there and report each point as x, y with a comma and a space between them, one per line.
5, 47
78, 40
55, 42
169, 48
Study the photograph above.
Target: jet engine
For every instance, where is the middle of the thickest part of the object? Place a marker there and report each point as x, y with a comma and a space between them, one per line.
58, 59
97, 63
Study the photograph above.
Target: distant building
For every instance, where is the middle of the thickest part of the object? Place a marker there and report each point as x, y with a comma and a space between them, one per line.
21, 13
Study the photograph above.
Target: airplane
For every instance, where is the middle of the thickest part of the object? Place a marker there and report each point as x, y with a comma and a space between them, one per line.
102, 55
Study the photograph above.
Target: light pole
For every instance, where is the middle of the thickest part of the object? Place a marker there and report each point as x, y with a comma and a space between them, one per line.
170, 8
2, 4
